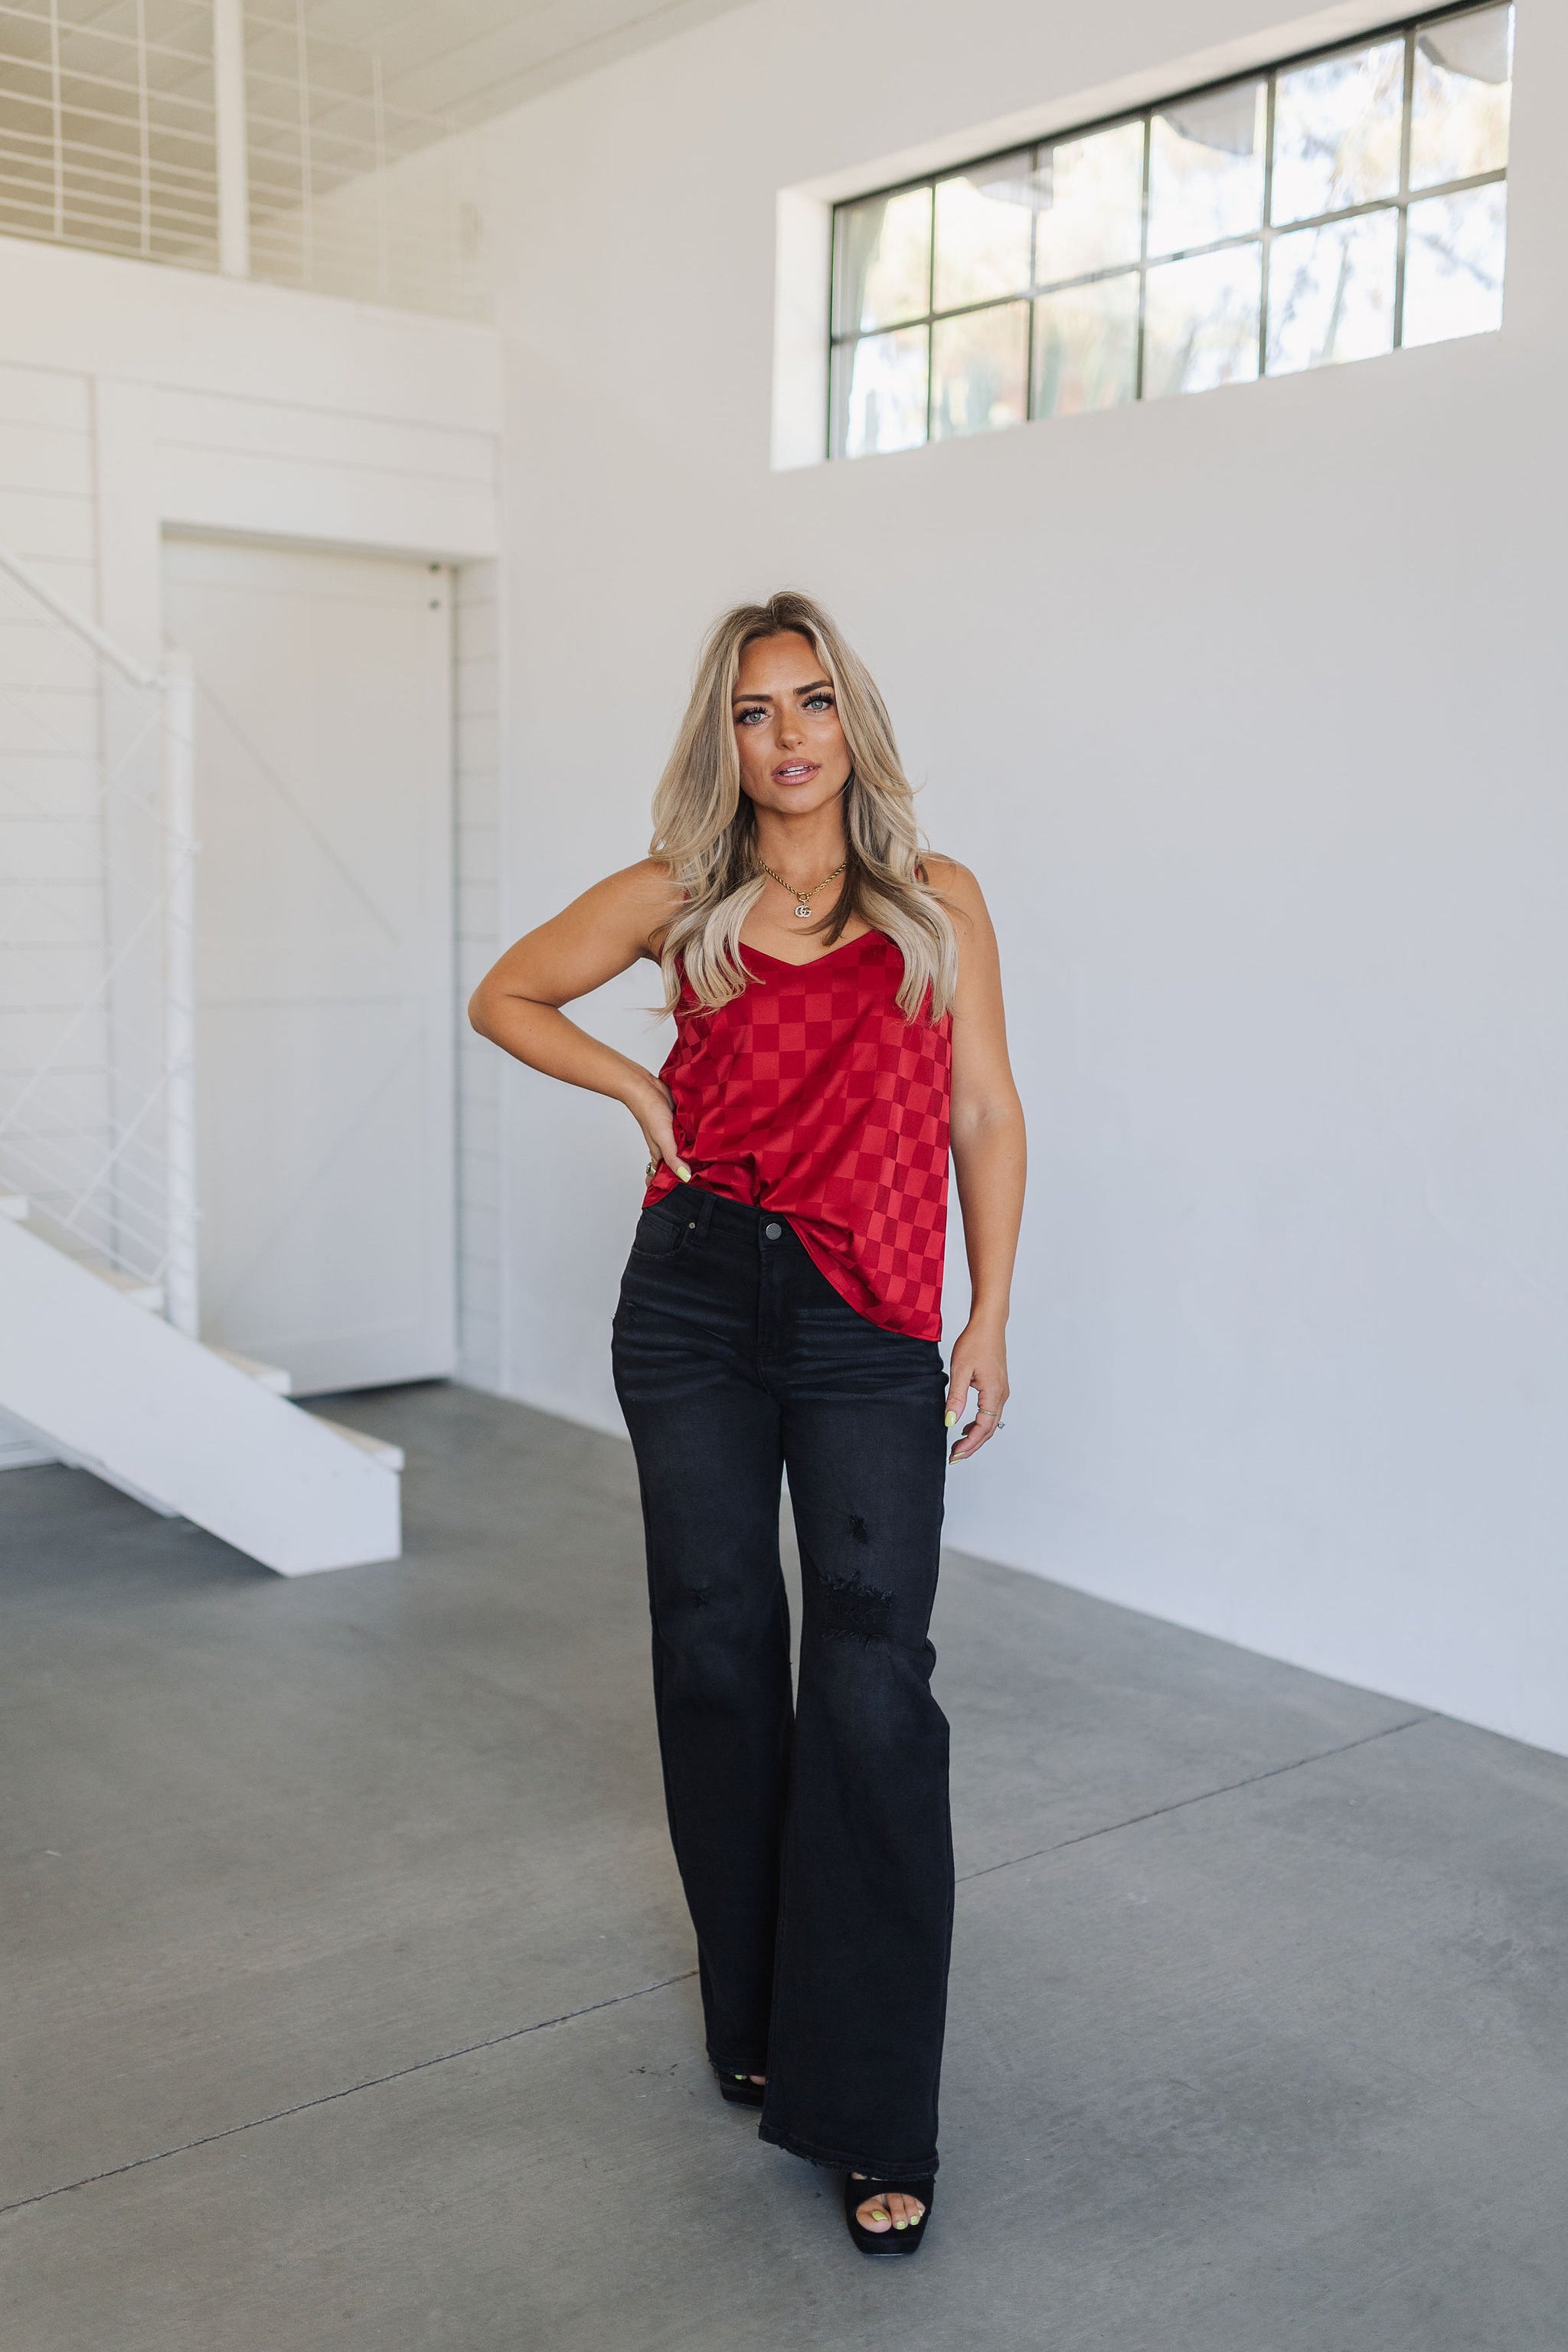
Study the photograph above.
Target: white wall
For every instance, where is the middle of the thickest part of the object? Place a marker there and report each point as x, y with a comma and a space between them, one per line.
1245, 709
138, 400
482, 1231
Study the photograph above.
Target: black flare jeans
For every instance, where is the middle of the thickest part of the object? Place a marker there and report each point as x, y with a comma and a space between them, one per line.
813, 1840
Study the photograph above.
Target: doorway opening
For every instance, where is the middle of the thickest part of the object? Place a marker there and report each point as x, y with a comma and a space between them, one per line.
326, 1112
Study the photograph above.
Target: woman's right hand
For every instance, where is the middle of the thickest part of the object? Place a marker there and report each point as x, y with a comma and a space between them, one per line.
651, 1105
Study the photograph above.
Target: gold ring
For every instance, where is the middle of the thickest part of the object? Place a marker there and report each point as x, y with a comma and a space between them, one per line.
651, 1170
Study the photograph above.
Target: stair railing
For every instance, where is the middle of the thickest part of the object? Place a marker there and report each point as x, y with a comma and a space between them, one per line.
97, 941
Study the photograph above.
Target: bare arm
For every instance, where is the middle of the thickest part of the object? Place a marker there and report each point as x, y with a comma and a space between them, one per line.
518, 1004
988, 1154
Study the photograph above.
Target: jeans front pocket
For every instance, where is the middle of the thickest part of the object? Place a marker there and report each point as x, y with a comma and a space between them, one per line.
662, 1232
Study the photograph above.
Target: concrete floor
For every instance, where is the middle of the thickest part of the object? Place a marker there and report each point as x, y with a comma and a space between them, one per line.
349, 1996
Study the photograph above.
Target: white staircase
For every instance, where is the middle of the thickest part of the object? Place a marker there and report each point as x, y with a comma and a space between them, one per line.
96, 1377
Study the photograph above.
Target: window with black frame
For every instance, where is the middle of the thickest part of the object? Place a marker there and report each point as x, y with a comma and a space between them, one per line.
1336, 207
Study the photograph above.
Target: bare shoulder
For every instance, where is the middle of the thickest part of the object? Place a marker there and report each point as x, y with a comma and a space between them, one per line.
957, 886
637, 900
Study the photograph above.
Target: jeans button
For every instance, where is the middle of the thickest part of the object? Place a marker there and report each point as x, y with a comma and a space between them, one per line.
774, 1233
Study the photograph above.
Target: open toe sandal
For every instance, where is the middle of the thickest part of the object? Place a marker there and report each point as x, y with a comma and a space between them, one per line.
739, 2089
887, 2245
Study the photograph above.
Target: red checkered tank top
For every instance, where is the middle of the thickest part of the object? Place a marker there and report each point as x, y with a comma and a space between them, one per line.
813, 1095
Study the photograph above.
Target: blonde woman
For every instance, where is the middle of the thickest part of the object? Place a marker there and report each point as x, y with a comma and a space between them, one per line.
839, 1025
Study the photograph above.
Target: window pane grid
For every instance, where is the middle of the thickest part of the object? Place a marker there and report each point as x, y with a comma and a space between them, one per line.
1044, 332
1138, 370
1407, 109
930, 303
1271, 118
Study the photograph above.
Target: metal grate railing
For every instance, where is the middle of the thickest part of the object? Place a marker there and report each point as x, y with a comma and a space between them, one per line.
121, 130
348, 194
107, 130
96, 983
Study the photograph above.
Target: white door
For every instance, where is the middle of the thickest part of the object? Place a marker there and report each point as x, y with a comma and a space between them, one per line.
324, 961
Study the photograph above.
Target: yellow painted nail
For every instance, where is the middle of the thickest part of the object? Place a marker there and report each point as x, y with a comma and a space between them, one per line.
948, 1419
683, 1172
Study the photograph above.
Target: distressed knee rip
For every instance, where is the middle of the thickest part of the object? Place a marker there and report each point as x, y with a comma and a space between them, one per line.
855, 1611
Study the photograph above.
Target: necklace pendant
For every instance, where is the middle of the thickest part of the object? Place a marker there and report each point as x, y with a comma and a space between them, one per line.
803, 909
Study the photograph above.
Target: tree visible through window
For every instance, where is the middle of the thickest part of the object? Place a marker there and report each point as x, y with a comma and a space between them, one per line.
1333, 208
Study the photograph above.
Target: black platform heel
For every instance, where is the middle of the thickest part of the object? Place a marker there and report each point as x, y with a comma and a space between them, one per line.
739, 2089
887, 2245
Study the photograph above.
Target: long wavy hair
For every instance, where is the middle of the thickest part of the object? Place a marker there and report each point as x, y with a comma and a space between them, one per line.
705, 831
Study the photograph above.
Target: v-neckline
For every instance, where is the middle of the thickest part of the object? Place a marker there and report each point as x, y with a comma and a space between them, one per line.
812, 961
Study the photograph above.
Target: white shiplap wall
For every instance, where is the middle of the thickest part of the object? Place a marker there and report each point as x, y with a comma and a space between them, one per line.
48, 518
229, 461
47, 502
136, 400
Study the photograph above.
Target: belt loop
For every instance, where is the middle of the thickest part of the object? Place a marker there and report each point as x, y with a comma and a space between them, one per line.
701, 1211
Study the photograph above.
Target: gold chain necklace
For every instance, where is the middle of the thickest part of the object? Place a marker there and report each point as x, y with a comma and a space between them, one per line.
803, 898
